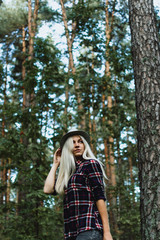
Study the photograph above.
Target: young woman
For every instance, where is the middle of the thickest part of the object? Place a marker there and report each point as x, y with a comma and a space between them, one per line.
80, 180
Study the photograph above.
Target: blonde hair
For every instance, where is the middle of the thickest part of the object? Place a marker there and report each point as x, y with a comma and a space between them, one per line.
68, 166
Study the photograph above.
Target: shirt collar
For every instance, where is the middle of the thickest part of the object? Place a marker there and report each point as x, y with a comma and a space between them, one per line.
79, 161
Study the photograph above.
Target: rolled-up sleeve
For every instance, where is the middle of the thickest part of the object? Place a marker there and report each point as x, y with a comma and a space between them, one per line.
95, 177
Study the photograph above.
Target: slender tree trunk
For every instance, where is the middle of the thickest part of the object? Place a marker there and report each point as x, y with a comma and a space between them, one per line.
1, 177
3, 160
67, 99
23, 64
31, 48
131, 178
146, 63
108, 143
66, 102
120, 176
91, 111
32, 26
23, 138
93, 120
70, 40
8, 181
130, 165
28, 102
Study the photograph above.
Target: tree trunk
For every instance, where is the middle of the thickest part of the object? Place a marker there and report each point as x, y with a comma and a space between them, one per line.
28, 102
93, 122
23, 64
3, 160
23, 138
32, 26
70, 40
146, 63
66, 102
108, 142
8, 182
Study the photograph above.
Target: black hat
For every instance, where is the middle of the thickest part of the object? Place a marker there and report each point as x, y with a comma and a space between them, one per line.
73, 133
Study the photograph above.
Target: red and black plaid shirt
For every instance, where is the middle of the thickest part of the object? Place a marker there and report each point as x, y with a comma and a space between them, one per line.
85, 187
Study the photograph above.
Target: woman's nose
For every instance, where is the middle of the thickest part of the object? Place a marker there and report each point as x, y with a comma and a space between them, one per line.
76, 144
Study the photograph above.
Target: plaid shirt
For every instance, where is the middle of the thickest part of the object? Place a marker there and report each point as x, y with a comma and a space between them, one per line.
85, 187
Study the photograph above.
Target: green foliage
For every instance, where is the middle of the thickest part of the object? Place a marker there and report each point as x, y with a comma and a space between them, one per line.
46, 13
12, 16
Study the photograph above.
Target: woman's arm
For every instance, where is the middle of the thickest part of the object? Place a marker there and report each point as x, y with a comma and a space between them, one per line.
104, 216
50, 180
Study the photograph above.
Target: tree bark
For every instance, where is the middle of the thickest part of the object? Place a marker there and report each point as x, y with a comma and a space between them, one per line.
23, 64
3, 176
146, 63
28, 97
108, 142
70, 39
92, 113
130, 168
32, 26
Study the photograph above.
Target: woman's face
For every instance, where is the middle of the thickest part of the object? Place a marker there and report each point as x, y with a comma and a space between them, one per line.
78, 146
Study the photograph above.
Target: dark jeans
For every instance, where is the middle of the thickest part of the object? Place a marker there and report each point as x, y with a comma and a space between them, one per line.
90, 235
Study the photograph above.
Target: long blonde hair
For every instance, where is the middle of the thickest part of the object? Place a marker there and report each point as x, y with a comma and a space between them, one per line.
68, 166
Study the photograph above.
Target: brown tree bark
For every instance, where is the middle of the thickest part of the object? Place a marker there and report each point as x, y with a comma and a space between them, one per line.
92, 114
32, 26
23, 64
130, 168
146, 63
66, 103
26, 103
108, 142
8, 181
3, 161
28, 97
70, 39
3, 174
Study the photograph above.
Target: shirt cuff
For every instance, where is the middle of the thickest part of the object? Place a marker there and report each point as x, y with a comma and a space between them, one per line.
98, 193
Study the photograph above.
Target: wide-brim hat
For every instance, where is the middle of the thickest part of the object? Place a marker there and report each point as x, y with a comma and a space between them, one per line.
74, 133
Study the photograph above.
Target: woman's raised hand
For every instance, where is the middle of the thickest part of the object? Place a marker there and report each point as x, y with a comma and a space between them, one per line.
57, 157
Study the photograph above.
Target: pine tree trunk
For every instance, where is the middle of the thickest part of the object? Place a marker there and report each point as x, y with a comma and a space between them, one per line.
108, 143
146, 62
8, 181
28, 102
70, 40
120, 178
3, 167
130, 165
1, 176
3, 160
93, 128
23, 64
66, 102
32, 25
